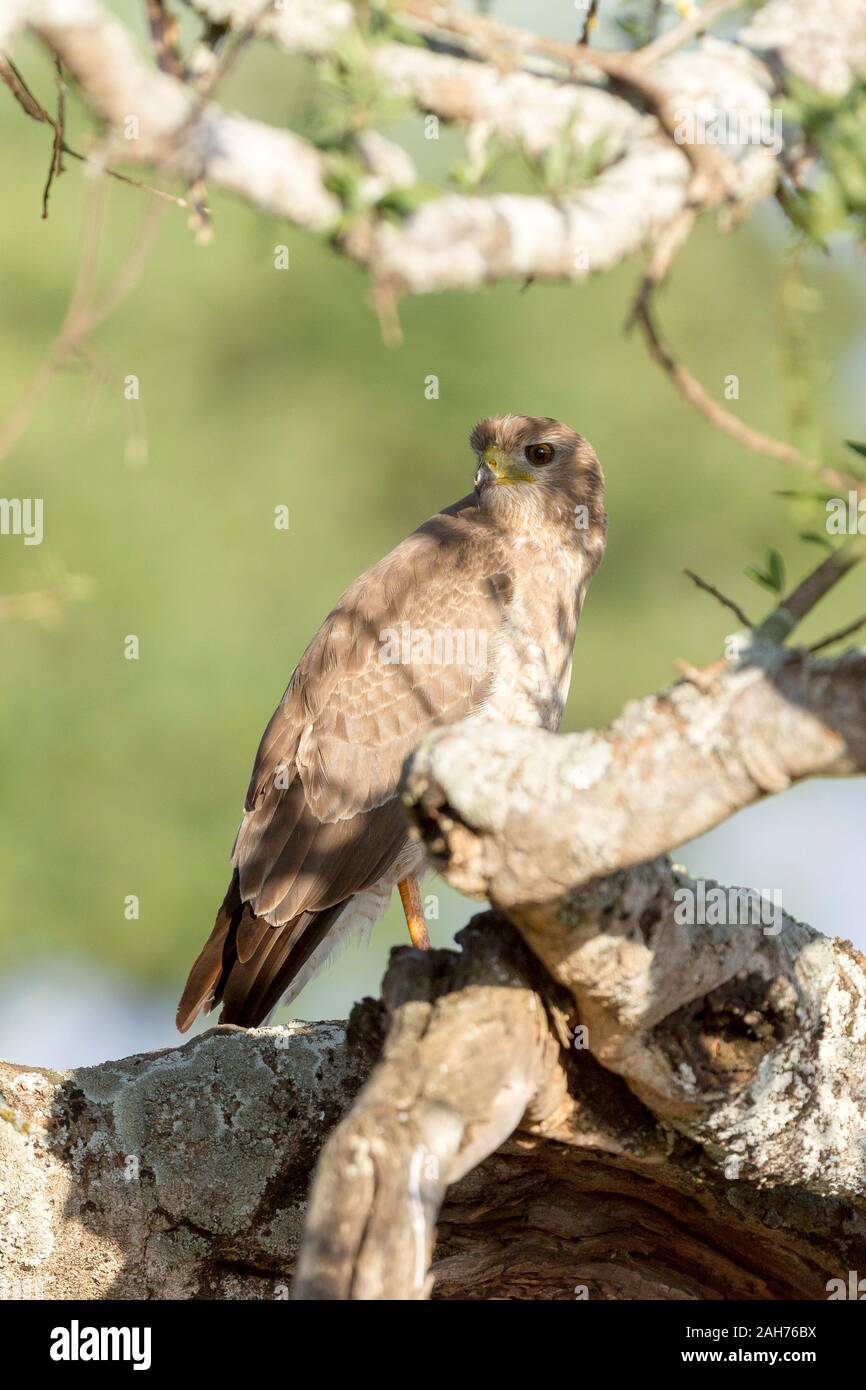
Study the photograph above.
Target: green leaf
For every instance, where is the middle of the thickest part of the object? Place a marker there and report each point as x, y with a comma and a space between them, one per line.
776, 570
857, 447
773, 577
815, 538
803, 495
758, 576
400, 203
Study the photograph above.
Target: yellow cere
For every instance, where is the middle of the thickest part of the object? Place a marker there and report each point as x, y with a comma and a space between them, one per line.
506, 468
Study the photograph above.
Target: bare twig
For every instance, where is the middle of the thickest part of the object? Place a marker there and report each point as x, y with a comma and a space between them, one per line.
661, 259
227, 59
839, 635
690, 28
166, 41
166, 38
590, 21
56, 166
84, 315
717, 594
810, 591
160, 193
36, 111
21, 92
692, 391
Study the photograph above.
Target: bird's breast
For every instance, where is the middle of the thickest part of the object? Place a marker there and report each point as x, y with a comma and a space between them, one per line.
532, 670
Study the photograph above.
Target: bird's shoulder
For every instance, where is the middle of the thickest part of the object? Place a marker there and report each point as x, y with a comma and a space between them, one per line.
454, 566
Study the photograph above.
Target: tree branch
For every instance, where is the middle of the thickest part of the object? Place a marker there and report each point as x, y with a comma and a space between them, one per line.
184, 1173
452, 240
696, 395
669, 769
425, 1119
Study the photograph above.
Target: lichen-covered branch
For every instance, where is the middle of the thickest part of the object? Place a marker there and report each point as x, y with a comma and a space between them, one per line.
744, 1042
154, 118
174, 1174
185, 1173
739, 1030
531, 93
735, 1024
469, 1055
670, 768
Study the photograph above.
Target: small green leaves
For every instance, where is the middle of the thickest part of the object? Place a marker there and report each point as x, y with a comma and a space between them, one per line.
635, 27
564, 167
344, 175
400, 203
857, 470
473, 171
359, 96
772, 576
835, 128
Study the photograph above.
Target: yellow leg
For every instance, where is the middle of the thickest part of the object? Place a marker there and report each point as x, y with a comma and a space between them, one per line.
410, 897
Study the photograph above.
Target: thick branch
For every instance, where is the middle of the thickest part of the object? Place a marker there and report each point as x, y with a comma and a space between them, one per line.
184, 1173
155, 118
430, 1113
646, 182
735, 1024
176, 1174
672, 766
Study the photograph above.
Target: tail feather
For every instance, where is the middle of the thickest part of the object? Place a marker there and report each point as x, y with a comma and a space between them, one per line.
201, 989
247, 965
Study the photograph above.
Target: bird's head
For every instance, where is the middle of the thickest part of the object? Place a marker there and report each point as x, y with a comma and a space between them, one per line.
533, 471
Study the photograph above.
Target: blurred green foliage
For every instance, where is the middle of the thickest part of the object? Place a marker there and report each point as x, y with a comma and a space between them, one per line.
262, 387
834, 128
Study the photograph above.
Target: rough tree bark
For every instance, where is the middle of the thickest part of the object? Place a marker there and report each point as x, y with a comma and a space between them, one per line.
591, 1098
743, 1042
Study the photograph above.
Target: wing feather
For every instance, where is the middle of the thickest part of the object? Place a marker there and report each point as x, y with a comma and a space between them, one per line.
350, 717
322, 819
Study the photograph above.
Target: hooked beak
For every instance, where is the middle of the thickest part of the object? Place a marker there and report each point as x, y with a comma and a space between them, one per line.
499, 468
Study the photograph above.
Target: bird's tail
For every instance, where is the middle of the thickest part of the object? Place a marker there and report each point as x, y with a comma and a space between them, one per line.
247, 965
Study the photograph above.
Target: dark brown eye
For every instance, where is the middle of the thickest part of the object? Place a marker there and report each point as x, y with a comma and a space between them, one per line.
539, 453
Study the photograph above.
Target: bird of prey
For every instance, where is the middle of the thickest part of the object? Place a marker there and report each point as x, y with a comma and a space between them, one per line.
472, 616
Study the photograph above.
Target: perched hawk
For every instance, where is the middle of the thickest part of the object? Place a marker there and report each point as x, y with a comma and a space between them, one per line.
473, 615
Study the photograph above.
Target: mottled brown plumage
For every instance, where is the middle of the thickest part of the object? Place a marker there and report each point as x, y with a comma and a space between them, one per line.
474, 614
